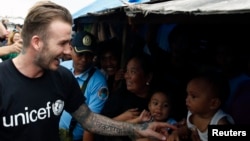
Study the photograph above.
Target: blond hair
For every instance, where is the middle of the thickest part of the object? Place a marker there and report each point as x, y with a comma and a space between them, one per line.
11, 37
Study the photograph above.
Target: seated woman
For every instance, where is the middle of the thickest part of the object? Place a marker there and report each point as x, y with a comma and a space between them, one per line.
129, 101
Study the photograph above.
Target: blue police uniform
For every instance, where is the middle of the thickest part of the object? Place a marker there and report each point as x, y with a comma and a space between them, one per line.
96, 94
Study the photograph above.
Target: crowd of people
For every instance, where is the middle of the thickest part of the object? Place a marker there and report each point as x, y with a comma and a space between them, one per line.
43, 88
60, 85
11, 43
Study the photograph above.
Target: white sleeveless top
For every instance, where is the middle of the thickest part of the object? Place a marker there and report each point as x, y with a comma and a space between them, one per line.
217, 116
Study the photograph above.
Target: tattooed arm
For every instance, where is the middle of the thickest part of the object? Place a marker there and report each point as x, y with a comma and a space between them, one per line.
105, 126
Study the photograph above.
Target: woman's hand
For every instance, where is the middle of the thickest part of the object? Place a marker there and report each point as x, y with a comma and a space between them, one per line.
16, 47
128, 115
145, 116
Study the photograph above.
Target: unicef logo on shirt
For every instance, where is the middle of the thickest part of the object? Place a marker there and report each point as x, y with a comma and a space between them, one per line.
57, 107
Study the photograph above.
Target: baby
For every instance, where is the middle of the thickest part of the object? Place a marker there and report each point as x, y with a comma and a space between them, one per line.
205, 95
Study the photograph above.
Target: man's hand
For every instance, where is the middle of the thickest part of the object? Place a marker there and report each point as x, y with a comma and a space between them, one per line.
157, 130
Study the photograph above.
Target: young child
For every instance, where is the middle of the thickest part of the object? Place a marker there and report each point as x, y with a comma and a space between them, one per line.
159, 110
206, 94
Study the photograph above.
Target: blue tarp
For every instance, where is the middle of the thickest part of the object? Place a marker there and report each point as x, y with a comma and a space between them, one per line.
100, 5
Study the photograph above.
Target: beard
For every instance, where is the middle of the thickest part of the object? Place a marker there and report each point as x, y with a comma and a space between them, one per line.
41, 60
44, 59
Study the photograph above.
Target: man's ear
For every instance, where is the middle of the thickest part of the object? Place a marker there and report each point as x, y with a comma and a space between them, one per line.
36, 42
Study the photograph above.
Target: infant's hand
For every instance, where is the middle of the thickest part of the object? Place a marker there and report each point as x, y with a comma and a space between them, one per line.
173, 137
194, 135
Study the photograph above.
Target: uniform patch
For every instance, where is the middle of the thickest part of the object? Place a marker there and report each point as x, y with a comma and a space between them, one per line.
103, 93
86, 40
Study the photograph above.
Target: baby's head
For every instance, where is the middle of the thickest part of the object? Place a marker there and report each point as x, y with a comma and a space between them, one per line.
206, 92
160, 104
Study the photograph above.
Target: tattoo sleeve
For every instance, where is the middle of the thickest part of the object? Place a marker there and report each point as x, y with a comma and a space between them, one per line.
102, 125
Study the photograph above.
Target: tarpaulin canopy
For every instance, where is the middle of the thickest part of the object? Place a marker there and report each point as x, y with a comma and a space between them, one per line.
102, 5
176, 11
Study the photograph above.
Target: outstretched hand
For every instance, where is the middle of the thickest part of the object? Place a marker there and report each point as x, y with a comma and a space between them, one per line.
157, 130
17, 46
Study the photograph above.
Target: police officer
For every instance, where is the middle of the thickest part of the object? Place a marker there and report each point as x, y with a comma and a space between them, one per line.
90, 79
